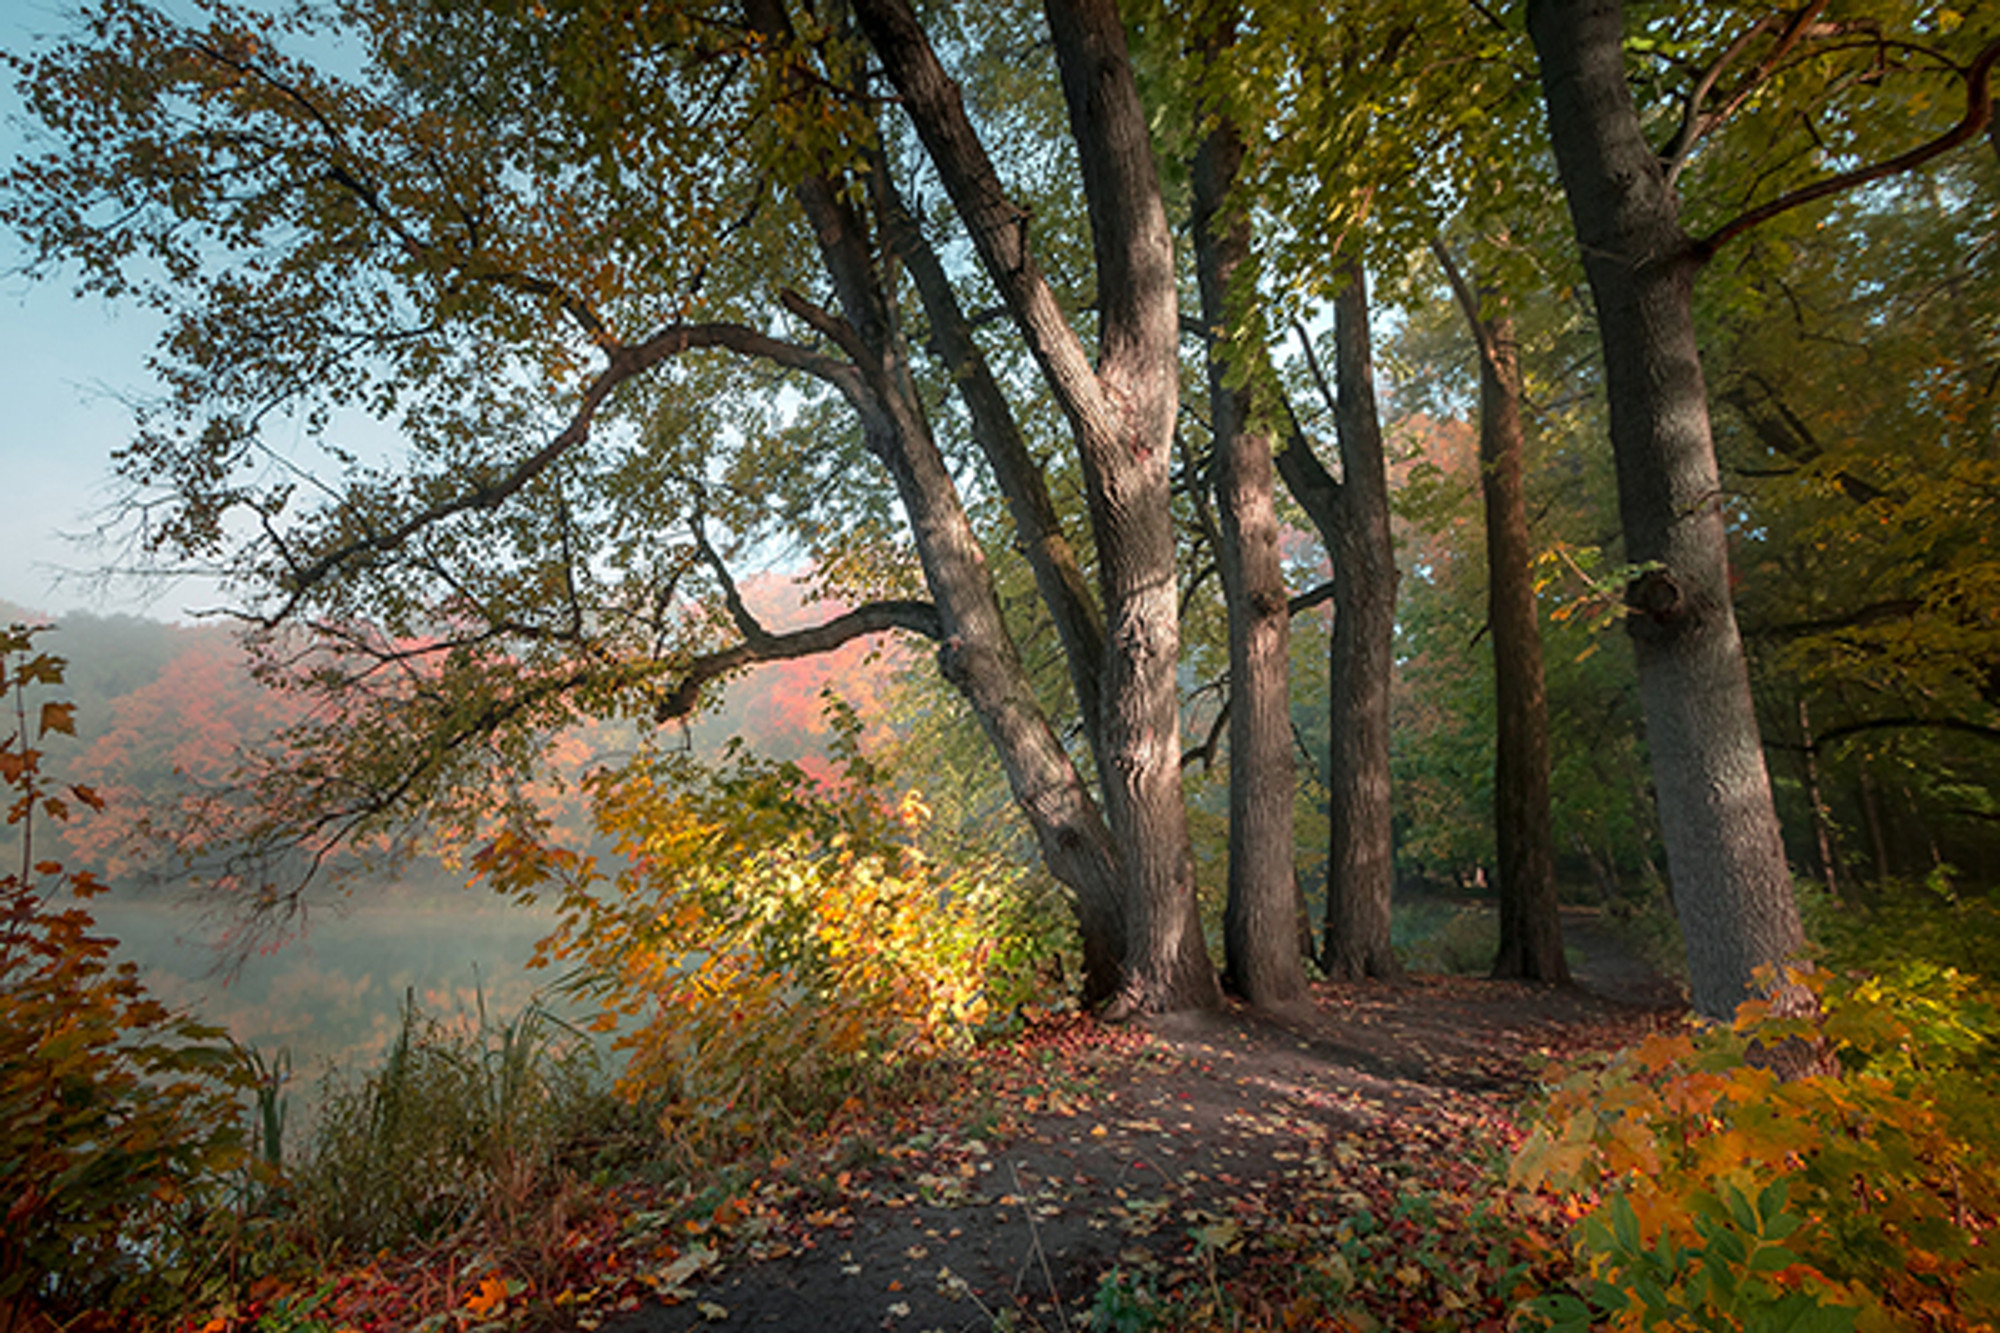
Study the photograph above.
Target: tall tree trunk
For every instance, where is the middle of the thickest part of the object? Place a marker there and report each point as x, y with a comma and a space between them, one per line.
1038, 530
1260, 919
978, 654
1731, 884
1822, 823
1530, 917
1121, 415
1352, 516
1361, 871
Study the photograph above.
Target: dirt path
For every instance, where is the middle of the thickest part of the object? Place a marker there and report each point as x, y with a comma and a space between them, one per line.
1195, 1134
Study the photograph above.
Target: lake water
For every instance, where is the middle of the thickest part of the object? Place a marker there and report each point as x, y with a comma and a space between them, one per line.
334, 998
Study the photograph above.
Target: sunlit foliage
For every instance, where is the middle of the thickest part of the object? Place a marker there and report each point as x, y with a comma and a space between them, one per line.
769, 946
1863, 1194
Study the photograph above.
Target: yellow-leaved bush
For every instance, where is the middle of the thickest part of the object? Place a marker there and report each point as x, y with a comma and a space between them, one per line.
1714, 1194
767, 944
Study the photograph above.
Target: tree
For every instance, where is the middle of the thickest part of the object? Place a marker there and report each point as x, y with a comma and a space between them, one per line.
1530, 925
1731, 883
1260, 918
1352, 515
496, 226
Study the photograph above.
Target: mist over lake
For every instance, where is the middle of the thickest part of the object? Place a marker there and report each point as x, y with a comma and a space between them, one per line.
334, 997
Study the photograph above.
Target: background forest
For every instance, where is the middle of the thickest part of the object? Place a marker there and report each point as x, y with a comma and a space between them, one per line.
1169, 491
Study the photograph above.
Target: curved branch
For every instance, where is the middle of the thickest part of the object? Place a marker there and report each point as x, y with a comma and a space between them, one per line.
1841, 733
1978, 112
873, 618
625, 363
1307, 600
1693, 123
1876, 613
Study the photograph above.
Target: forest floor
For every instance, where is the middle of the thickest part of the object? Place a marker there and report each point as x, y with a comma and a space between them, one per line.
1333, 1166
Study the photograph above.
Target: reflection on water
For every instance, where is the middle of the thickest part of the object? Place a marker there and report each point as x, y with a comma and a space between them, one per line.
334, 998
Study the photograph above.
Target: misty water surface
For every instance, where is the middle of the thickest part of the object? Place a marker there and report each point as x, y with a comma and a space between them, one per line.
334, 998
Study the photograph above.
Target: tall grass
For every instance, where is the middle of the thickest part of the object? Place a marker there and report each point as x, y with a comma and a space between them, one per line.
464, 1123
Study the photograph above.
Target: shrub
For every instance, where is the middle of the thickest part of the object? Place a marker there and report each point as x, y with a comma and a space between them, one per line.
1715, 1195
1461, 941
771, 944
1937, 921
119, 1118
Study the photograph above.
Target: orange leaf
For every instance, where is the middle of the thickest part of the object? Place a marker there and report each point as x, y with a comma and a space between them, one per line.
490, 1298
59, 717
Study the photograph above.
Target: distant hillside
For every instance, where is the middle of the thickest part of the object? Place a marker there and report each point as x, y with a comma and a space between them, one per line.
159, 704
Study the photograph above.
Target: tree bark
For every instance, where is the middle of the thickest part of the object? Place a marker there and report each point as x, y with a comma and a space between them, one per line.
1732, 887
1352, 517
1121, 414
1821, 822
1530, 920
1037, 528
1361, 871
1260, 917
977, 653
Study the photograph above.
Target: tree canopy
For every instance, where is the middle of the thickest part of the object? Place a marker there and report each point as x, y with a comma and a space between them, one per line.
504, 340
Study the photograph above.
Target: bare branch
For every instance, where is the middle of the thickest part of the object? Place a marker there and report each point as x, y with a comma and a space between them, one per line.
872, 618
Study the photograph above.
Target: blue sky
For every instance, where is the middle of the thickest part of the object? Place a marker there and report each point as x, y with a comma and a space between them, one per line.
68, 367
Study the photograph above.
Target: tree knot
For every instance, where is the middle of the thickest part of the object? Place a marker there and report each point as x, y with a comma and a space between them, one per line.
1656, 597
951, 660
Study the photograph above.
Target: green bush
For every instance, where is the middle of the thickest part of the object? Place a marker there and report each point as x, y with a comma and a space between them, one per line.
1862, 1193
1437, 938
1935, 921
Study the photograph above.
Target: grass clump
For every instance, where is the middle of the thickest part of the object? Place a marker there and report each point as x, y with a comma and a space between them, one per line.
462, 1122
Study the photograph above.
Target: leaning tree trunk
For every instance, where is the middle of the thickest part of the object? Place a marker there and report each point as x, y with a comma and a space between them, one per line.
1121, 415
1260, 916
1530, 916
978, 655
1731, 884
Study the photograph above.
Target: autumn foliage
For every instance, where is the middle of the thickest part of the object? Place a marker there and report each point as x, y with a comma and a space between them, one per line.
118, 1117
769, 946
1714, 1194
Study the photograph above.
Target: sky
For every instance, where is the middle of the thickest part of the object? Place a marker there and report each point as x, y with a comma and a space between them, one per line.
69, 367
65, 367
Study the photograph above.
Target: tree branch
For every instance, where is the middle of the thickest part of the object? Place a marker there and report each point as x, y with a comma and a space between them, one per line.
872, 618
1311, 597
1841, 733
1978, 111
625, 364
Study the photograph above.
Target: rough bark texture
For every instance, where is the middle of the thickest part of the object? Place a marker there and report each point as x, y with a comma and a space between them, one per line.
1260, 917
1038, 530
1531, 945
1361, 874
1530, 925
1121, 414
976, 654
1731, 884
1352, 517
